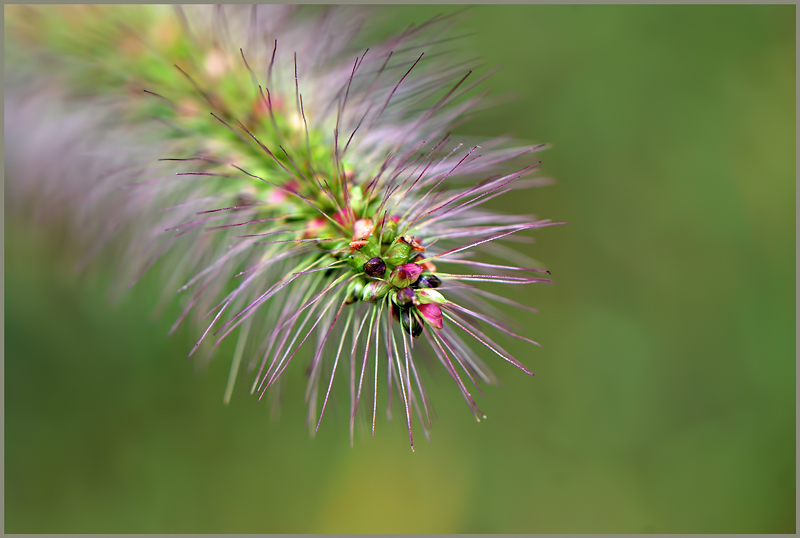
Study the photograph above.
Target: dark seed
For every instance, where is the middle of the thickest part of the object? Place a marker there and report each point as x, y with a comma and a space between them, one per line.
427, 281
409, 323
375, 267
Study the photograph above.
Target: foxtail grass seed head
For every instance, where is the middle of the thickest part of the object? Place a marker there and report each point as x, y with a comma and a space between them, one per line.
301, 194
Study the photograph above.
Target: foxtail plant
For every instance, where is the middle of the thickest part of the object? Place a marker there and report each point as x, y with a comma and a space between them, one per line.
301, 188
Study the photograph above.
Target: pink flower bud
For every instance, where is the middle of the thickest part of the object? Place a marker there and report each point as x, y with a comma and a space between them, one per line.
405, 275
375, 290
405, 296
362, 229
430, 296
432, 314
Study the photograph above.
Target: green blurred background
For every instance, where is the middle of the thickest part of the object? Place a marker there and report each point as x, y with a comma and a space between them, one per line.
665, 392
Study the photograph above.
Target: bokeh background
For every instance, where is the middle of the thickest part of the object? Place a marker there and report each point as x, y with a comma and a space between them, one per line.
665, 392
